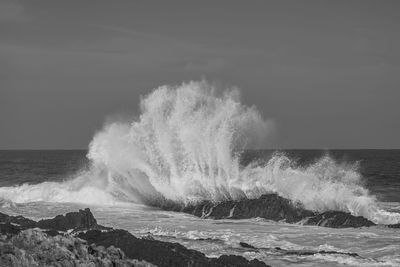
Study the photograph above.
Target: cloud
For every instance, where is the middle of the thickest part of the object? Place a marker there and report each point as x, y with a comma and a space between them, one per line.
12, 10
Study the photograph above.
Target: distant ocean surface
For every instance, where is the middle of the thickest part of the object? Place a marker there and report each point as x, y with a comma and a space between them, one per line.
377, 246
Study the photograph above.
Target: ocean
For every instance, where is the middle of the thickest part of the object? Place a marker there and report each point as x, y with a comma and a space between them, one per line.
26, 174
191, 144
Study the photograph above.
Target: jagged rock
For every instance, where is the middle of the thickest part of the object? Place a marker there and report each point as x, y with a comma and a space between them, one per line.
82, 220
234, 260
338, 219
270, 206
23, 222
245, 245
35, 248
312, 252
161, 253
8, 228
21, 251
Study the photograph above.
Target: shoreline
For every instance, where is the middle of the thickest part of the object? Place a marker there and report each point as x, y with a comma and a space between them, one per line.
75, 239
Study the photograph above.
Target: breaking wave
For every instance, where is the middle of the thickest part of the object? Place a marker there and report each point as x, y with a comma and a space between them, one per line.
186, 146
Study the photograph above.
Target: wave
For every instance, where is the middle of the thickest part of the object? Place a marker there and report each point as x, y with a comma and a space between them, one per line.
186, 146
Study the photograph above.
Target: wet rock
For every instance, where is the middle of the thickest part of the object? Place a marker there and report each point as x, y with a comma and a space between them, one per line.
21, 221
160, 253
276, 208
109, 247
394, 225
245, 245
338, 219
82, 220
8, 228
270, 206
233, 260
312, 252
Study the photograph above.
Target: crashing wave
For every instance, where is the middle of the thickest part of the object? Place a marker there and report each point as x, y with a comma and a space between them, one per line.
186, 146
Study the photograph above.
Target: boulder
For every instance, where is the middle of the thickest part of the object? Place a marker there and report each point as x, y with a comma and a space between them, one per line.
82, 220
269, 206
338, 219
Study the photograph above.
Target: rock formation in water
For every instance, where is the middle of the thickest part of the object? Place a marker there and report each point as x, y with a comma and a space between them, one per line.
271, 207
338, 219
93, 245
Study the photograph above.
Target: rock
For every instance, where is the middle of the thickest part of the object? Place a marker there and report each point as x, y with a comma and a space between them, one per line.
234, 260
245, 245
109, 246
312, 252
35, 248
270, 206
8, 228
82, 220
160, 253
394, 225
338, 219
17, 220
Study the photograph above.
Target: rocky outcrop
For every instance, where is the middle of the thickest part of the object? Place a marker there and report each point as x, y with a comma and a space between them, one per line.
34, 248
338, 219
270, 207
82, 220
20, 246
283, 252
161, 253
76, 221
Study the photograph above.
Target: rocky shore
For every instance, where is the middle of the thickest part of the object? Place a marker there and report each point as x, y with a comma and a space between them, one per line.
77, 240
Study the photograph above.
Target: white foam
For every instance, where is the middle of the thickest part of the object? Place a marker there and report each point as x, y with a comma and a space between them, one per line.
185, 147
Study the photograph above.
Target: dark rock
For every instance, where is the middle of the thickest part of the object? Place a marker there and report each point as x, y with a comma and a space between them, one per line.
270, 206
8, 228
32, 247
245, 245
82, 220
21, 252
394, 225
234, 260
160, 253
338, 219
52, 232
18, 220
312, 252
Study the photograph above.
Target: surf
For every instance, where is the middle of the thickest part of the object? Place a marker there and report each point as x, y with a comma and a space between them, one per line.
185, 147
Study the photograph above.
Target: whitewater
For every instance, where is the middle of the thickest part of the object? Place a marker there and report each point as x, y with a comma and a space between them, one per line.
185, 146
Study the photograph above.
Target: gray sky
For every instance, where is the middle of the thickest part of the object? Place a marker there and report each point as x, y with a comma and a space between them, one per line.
328, 73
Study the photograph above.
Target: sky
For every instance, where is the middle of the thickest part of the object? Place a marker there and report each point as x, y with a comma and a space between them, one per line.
326, 72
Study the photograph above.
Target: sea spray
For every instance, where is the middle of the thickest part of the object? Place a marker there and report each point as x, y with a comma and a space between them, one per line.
185, 144
185, 147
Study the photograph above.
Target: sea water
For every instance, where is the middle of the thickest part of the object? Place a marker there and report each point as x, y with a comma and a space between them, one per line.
192, 142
